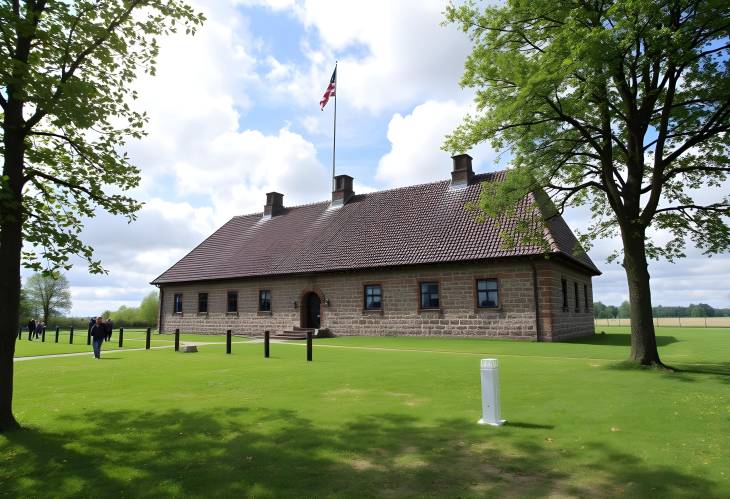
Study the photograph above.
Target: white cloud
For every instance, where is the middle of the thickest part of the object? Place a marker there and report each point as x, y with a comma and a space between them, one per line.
395, 53
415, 155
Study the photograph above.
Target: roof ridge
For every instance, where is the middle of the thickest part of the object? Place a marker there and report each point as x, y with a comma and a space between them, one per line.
314, 203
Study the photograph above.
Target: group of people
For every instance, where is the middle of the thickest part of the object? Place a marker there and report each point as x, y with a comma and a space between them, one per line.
35, 328
100, 331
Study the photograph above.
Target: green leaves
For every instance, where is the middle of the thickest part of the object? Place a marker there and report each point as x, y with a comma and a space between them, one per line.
69, 92
623, 106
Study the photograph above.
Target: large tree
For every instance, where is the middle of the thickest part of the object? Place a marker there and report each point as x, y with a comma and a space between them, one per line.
48, 294
66, 69
621, 105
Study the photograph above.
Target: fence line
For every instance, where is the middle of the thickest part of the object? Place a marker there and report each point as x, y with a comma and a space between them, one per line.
672, 322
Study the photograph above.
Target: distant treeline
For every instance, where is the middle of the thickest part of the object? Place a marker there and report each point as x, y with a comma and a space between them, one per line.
143, 316
623, 311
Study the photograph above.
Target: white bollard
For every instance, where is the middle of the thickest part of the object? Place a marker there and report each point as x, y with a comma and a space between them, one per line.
490, 393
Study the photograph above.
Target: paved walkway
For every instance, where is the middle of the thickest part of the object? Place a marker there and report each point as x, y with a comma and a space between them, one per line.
81, 354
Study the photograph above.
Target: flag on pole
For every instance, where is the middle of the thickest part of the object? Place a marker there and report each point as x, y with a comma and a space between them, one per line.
330, 92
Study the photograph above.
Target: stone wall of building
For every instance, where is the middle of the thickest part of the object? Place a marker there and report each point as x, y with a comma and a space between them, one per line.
577, 318
342, 295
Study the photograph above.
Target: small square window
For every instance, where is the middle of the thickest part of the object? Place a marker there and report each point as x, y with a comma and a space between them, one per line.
203, 303
177, 304
373, 297
564, 286
487, 293
264, 300
577, 300
585, 296
429, 295
232, 302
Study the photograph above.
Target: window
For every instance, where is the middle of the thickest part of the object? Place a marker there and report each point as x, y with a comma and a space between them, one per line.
232, 301
373, 297
487, 294
177, 304
264, 300
565, 293
585, 295
203, 303
429, 295
577, 301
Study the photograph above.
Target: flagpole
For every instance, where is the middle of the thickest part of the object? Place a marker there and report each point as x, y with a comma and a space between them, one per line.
334, 131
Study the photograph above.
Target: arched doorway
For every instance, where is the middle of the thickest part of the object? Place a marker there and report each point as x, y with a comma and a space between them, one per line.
311, 311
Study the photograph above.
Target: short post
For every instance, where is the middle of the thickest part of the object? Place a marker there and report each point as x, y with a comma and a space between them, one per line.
121, 336
490, 393
309, 346
30, 335
88, 337
177, 340
43, 335
267, 335
147, 343
57, 331
20, 332
71, 336
228, 341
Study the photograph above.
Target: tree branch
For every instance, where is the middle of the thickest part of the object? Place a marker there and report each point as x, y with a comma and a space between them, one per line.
41, 112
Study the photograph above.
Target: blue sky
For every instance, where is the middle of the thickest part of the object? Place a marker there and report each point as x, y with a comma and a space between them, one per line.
234, 113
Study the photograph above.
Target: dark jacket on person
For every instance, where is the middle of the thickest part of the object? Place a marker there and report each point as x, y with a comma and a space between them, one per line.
31, 326
109, 326
39, 329
98, 331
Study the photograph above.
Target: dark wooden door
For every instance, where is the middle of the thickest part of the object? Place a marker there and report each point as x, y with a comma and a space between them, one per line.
312, 316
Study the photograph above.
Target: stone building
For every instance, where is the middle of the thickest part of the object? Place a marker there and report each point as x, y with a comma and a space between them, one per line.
405, 261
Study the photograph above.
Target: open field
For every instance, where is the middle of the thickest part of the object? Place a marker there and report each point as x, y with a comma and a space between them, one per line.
672, 322
387, 417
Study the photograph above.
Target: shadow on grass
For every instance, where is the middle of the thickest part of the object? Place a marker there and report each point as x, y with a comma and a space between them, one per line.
277, 453
618, 340
681, 371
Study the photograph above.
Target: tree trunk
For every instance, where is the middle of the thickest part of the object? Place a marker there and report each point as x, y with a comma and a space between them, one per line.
11, 242
643, 338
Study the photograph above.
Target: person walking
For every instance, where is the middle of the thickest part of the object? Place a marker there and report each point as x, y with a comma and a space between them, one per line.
31, 326
109, 325
38, 329
98, 332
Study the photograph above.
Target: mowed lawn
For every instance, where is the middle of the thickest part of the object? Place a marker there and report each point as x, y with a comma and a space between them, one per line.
386, 417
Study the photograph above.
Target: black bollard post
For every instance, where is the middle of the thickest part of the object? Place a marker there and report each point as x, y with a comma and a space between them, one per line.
309, 346
30, 335
266, 343
43, 335
71, 336
121, 336
20, 333
177, 340
228, 341
88, 337
149, 332
57, 330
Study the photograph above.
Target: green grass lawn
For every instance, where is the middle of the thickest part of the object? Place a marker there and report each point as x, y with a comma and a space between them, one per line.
387, 417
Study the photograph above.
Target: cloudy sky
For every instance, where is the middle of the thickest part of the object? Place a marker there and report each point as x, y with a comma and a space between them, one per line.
234, 114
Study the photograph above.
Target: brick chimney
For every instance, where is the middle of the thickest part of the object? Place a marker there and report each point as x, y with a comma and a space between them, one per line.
343, 190
274, 204
462, 173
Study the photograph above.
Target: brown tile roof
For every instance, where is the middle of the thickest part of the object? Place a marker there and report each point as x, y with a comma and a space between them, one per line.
410, 225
